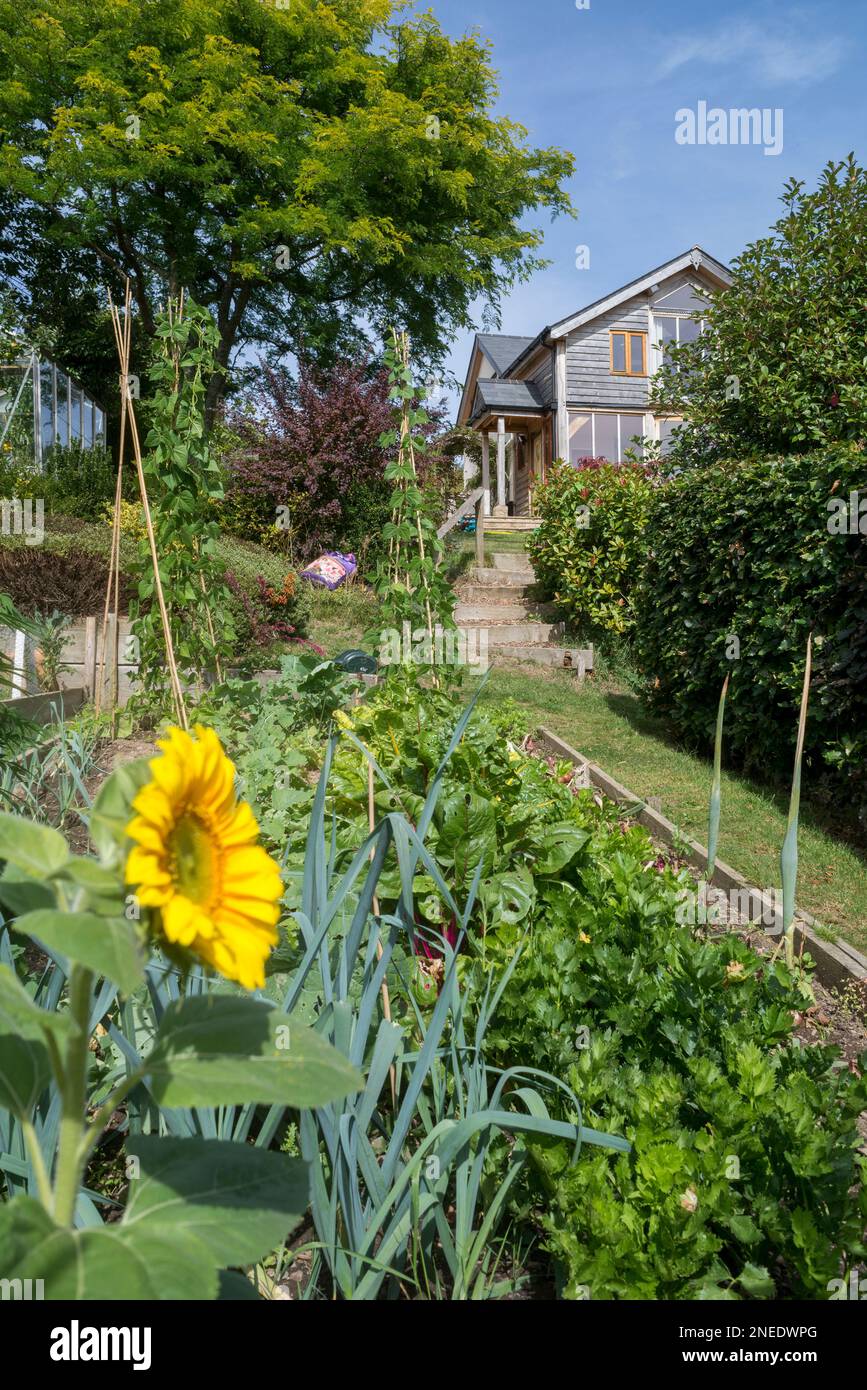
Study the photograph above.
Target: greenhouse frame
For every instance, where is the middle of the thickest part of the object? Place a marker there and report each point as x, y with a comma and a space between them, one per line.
42, 405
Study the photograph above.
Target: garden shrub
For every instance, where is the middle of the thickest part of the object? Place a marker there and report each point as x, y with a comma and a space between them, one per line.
308, 470
588, 550
741, 567
75, 481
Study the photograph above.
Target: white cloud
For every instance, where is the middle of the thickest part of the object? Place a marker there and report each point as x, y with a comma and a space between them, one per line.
782, 50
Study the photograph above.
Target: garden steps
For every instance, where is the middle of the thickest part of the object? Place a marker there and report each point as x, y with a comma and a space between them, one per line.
514, 562
496, 599
471, 610
498, 593
498, 577
517, 634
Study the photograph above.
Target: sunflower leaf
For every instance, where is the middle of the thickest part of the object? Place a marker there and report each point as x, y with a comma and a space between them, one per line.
107, 945
238, 1200
37, 849
112, 810
227, 1050
103, 1262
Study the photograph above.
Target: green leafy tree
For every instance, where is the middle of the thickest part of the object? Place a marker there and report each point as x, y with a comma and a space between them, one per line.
780, 367
298, 169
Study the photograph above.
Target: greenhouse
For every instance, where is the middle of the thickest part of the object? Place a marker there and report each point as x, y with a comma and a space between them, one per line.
41, 406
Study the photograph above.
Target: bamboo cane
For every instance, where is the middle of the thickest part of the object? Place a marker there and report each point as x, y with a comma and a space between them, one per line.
123, 343
114, 563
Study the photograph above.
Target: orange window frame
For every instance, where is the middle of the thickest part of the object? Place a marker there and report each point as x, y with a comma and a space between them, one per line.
627, 335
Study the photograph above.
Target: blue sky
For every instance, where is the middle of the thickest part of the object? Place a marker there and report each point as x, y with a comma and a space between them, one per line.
605, 82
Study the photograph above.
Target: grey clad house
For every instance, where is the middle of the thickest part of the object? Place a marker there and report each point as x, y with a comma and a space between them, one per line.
581, 387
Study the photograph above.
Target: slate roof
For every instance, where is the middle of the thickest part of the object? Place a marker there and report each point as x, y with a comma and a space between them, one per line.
502, 349
497, 394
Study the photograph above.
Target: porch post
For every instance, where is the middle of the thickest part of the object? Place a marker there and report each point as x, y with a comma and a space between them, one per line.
500, 509
486, 474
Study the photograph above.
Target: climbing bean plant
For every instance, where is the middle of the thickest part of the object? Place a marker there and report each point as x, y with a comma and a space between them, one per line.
410, 583
183, 481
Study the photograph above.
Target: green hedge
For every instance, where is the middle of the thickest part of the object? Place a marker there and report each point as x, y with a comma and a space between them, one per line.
588, 550
743, 550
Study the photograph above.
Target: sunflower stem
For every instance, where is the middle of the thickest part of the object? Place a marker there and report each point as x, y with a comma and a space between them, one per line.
70, 1159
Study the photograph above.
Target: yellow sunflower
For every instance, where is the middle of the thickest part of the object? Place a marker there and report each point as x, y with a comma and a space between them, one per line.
197, 859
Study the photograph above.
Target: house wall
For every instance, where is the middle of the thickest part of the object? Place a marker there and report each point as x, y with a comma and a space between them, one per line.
589, 380
521, 478
542, 376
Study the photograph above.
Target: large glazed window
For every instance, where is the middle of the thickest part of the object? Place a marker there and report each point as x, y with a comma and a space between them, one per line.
671, 329
604, 434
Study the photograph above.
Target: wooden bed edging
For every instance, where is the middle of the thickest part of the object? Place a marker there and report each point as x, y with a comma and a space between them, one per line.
38, 707
837, 963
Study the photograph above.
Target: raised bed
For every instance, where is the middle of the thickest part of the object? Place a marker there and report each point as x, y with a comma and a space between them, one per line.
40, 708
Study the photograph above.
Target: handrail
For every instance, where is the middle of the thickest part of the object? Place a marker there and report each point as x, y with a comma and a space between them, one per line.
468, 505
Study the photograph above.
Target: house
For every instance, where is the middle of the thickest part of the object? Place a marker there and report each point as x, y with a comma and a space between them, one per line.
581, 387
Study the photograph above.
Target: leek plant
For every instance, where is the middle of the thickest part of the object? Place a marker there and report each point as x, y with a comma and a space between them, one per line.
714, 813
384, 1178
789, 852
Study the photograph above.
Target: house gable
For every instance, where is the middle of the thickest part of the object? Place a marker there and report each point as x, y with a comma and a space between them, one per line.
590, 381
696, 262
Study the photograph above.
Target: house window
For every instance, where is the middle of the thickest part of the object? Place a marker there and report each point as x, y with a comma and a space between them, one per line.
629, 354
603, 434
669, 330
666, 428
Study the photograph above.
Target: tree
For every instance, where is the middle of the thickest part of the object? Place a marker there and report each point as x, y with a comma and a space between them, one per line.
309, 172
780, 367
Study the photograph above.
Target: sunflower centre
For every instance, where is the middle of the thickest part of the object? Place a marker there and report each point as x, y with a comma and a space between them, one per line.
195, 860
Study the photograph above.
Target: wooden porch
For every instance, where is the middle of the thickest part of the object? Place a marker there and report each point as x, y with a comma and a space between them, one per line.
527, 438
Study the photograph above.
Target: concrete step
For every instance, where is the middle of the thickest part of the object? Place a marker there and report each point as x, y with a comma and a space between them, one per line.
511, 524
484, 575
513, 561
496, 593
499, 612
577, 659
507, 634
